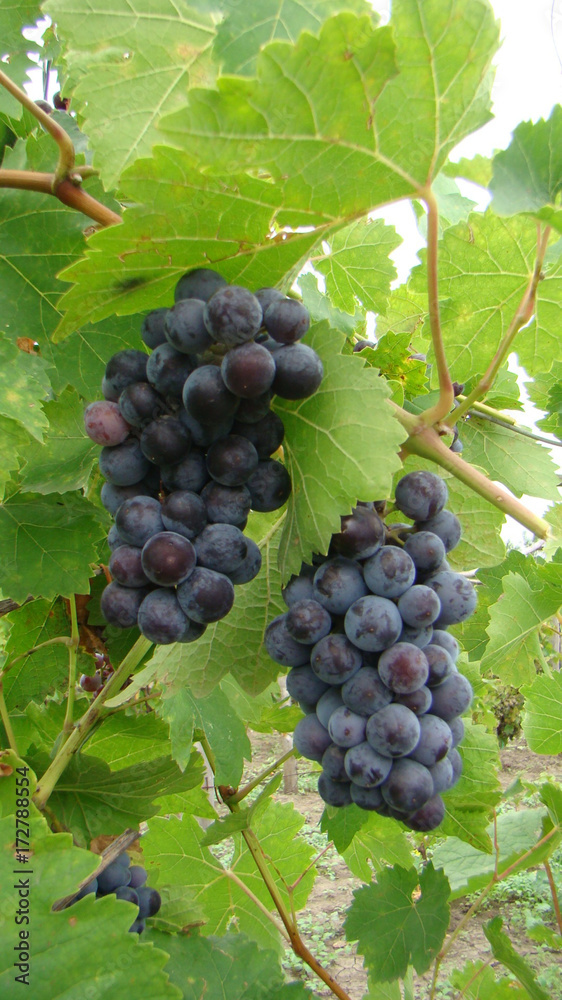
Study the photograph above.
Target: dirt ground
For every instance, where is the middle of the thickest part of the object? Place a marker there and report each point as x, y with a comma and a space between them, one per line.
321, 922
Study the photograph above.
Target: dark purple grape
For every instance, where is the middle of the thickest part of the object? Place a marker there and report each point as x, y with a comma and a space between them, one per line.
452, 697
112, 878
124, 464
138, 519
334, 659
361, 344
334, 793
403, 668
189, 474
266, 435
447, 642
365, 766
418, 606
91, 887
165, 441
226, 504
161, 618
251, 410
327, 703
120, 605
426, 549
221, 547
389, 572
168, 559
206, 596
283, 648
366, 798
435, 740
122, 369
138, 876
137, 926
333, 763
139, 404
298, 372
200, 283
408, 786
149, 902
286, 320
361, 535
152, 331
91, 683
418, 701
338, 583
248, 371
456, 763
428, 817
203, 435
310, 738
167, 371
125, 566
113, 496
185, 329
373, 623
232, 460
233, 315
365, 692
266, 296
394, 730
105, 424
446, 526
122, 859
250, 565
421, 495
299, 588
127, 893
420, 637
304, 685
307, 621
269, 486
184, 512
346, 728
440, 664
456, 726
206, 397
442, 774
456, 594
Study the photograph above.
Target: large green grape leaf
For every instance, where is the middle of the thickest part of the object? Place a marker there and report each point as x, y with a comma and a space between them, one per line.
477, 981
469, 803
14, 442
472, 633
340, 445
522, 464
528, 600
478, 169
380, 842
328, 109
47, 544
24, 384
13, 17
357, 265
542, 719
528, 174
35, 676
247, 28
82, 949
320, 307
64, 461
485, 266
234, 644
392, 928
505, 953
546, 392
126, 740
134, 62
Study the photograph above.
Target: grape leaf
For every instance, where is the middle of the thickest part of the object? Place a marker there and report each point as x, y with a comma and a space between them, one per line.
546, 392
127, 740
379, 842
320, 307
341, 825
24, 384
477, 981
505, 953
472, 633
478, 169
235, 644
357, 265
527, 175
47, 544
383, 991
391, 929
320, 446
469, 802
36, 676
392, 357
246, 29
77, 949
14, 17
133, 63
542, 719
523, 465
82, 358
64, 461
14, 442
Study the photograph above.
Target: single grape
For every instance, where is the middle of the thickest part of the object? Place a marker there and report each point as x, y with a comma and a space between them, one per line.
452, 697
137, 926
122, 369
446, 526
310, 738
394, 730
447, 641
346, 728
426, 549
168, 558
389, 572
139, 404
248, 371
138, 876
184, 512
226, 504
442, 774
418, 606
124, 464
373, 623
420, 637
125, 892
232, 460
189, 474
282, 648
334, 659
266, 434
304, 685
113, 496
125, 566
165, 440
269, 486
206, 596
307, 621
361, 535
91, 887
167, 371
91, 683
286, 320
152, 331
403, 668
365, 766
408, 786
456, 726
112, 878
440, 664
233, 315
333, 763
435, 740
456, 594
185, 329
161, 618
202, 435
334, 793
149, 902
456, 763
122, 859
138, 519
266, 296
327, 703
298, 372
221, 547
421, 495
104, 423
200, 283
428, 817
251, 410
338, 583
366, 798
120, 605
250, 565
206, 397
299, 588
418, 701
365, 692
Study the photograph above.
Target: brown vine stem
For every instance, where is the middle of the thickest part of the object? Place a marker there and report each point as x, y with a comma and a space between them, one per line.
522, 316
554, 894
67, 155
446, 395
66, 192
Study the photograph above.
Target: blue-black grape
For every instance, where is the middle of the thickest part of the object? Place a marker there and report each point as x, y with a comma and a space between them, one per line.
233, 315
232, 460
161, 618
403, 667
165, 440
266, 296
393, 731
365, 692
308, 622
304, 685
248, 371
456, 726
426, 550
300, 587
113, 496
333, 763
124, 464
168, 558
421, 495
286, 320
266, 434
125, 566
91, 887
446, 526
122, 369
452, 697
184, 513
435, 740
105, 424
226, 504
366, 798
112, 878
221, 547
310, 738
408, 786
203, 435
200, 283
167, 371
418, 701
447, 641
456, 594
189, 474
140, 404
282, 647
298, 372
185, 329
328, 702
138, 876
338, 583
365, 766
250, 565
120, 605
334, 793
251, 410
149, 902
442, 774
428, 817
346, 728
361, 535
334, 659
152, 331
206, 596
373, 623
206, 397
456, 763
418, 606
127, 893
440, 664
138, 519
269, 485
389, 572
420, 637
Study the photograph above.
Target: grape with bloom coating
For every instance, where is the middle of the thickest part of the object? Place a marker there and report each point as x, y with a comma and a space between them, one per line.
104, 423
233, 315
421, 495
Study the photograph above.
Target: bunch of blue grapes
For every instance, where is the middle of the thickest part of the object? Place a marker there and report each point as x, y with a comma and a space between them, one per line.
373, 665
188, 438
126, 881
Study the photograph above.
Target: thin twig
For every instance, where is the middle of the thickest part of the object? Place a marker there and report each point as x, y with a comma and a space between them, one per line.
68, 724
517, 429
5, 716
249, 787
446, 394
59, 640
554, 894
